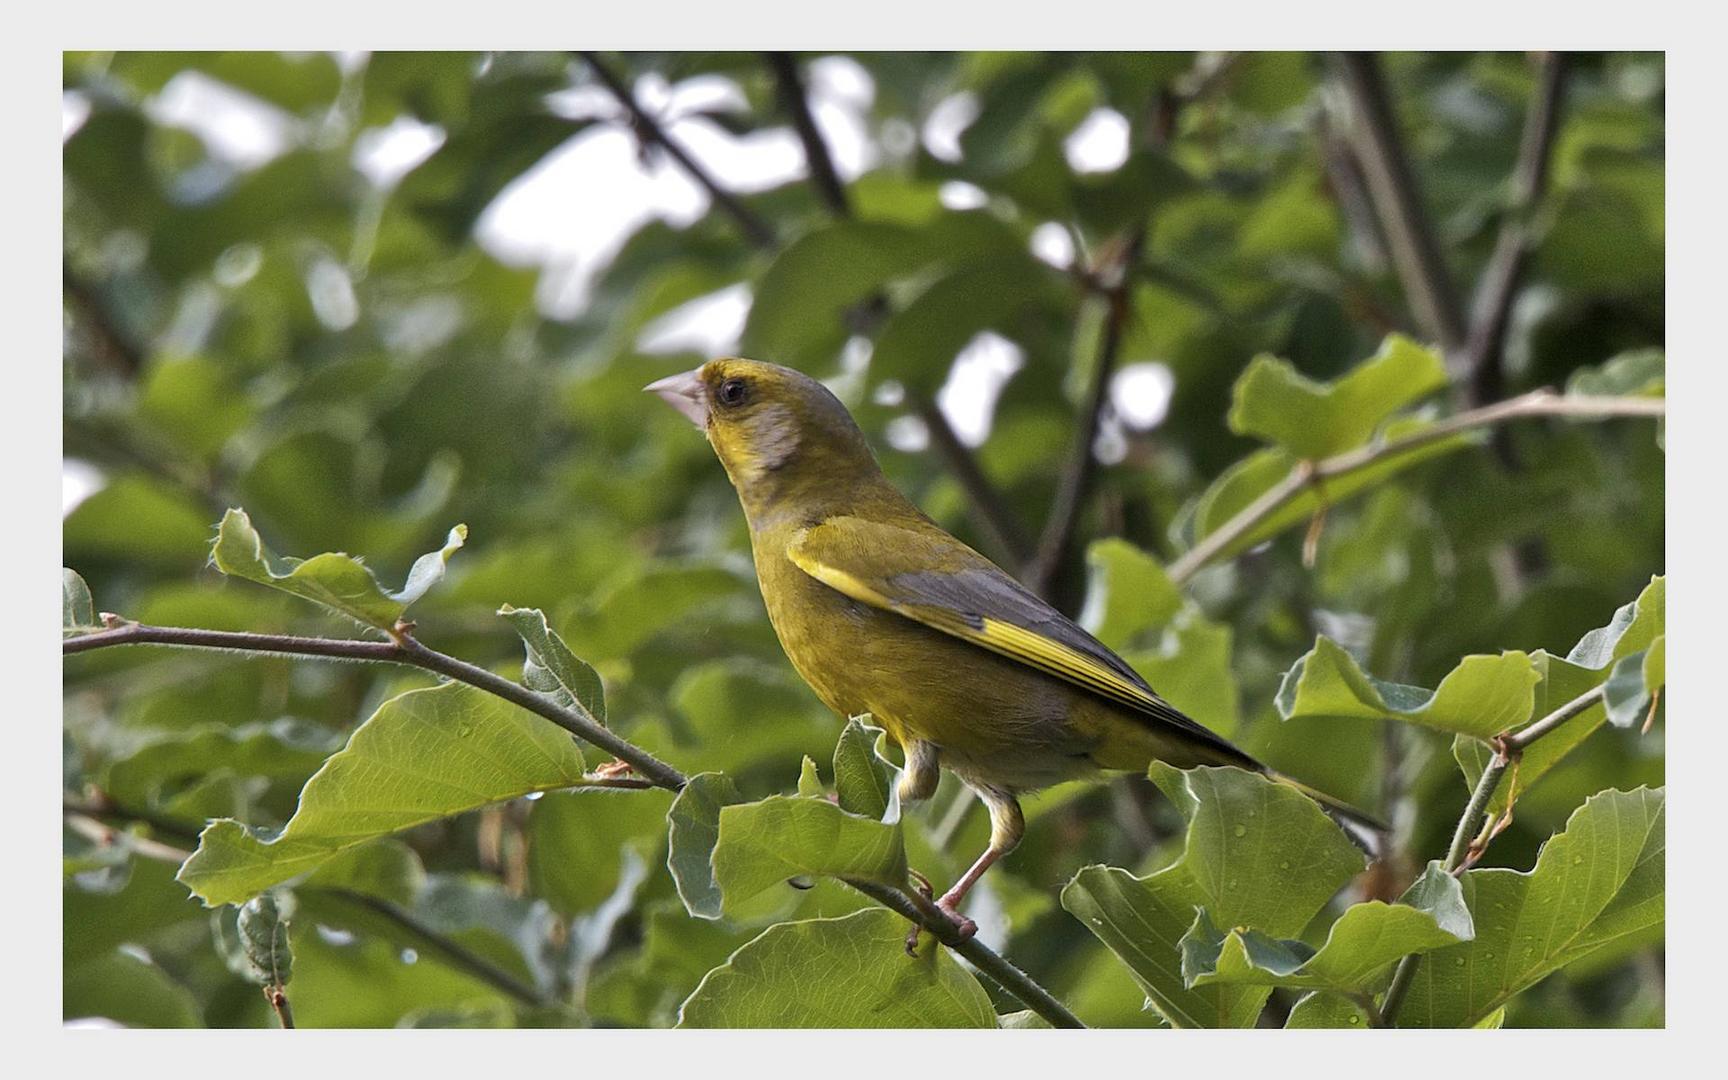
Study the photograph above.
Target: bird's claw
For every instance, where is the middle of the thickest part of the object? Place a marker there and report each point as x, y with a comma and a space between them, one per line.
964, 928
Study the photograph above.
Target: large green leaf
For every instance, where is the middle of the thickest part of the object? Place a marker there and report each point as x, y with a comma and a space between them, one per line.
552, 669
1482, 696
1257, 853
285, 748
1360, 948
1311, 420
1127, 593
1599, 880
918, 343
339, 582
126, 988
423, 755
850, 972
580, 841
763, 844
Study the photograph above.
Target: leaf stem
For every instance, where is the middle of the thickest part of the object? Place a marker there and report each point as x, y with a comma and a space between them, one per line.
1544, 402
1507, 749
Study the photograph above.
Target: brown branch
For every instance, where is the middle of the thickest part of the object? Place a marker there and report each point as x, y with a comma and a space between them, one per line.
1465, 849
1415, 248
1543, 402
649, 130
795, 99
1504, 274
1076, 480
116, 347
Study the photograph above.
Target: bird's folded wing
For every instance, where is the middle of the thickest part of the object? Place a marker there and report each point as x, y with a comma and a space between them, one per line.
931, 578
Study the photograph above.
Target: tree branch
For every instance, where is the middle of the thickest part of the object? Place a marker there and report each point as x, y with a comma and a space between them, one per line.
1501, 279
990, 512
1415, 249
412, 653
1076, 480
795, 99
405, 651
923, 911
1536, 403
649, 130
1459, 855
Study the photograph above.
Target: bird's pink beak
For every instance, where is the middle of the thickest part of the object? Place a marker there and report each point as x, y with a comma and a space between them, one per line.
684, 392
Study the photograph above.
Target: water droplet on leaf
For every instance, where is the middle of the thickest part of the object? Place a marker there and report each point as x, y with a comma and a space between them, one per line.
1241, 830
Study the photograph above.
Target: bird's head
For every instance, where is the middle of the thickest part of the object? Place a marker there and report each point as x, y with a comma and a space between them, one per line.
781, 434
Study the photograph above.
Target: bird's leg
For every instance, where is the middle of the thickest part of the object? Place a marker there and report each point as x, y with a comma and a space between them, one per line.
918, 780
1007, 826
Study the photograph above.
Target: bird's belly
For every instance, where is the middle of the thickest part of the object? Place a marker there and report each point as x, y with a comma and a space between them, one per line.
995, 723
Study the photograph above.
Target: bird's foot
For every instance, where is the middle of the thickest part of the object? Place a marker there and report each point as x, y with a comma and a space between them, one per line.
964, 926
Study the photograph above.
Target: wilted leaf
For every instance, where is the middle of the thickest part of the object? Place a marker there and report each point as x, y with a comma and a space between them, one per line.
1257, 853
1599, 880
1482, 696
339, 582
851, 972
423, 755
263, 929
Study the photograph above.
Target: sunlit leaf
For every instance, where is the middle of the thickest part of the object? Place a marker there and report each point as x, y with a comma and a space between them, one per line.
1482, 696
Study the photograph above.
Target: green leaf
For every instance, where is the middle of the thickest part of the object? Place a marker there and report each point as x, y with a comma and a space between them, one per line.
1275, 402
850, 972
580, 841
423, 755
1639, 373
1246, 481
861, 779
809, 780
1359, 952
1127, 593
1482, 696
1634, 628
1599, 880
1192, 670
77, 607
762, 844
339, 582
1257, 853
918, 343
121, 986
552, 669
1624, 695
1323, 1010
693, 830
283, 749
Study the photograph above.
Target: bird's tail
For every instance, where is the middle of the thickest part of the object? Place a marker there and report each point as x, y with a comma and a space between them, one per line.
1365, 832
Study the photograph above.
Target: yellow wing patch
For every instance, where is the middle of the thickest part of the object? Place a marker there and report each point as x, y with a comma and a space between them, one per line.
1004, 638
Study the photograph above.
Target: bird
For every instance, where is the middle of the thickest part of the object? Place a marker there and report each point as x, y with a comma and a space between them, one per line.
881, 611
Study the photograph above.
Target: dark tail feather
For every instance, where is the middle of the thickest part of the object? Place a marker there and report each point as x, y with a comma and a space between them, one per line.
1365, 832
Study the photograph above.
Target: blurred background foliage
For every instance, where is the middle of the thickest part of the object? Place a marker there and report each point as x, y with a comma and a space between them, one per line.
332, 289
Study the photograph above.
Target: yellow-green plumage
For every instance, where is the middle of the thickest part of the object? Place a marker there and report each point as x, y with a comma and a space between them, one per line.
883, 612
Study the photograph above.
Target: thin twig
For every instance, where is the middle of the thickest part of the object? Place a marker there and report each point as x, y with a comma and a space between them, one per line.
795, 99
925, 913
1460, 855
1543, 402
278, 999
408, 651
649, 130
1082, 466
1415, 248
439, 946
1500, 280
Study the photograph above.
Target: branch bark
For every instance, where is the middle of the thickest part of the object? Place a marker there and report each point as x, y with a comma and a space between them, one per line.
1459, 855
1536, 403
1415, 249
649, 130
795, 99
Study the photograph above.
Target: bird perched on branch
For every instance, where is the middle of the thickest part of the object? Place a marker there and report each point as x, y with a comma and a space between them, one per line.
883, 612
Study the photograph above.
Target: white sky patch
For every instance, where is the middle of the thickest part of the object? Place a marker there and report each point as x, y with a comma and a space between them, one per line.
332, 294
74, 110
1099, 144
78, 481
980, 371
1052, 243
237, 127
959, 195
710, 325
946, 121
907, 434
1140, 394
385, 155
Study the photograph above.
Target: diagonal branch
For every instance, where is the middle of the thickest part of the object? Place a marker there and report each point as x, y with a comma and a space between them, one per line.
1500, 281
795, 99
1536, 403
649, 130
1415, 249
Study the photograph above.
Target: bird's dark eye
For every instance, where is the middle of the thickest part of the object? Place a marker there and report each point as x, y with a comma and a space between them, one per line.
733, 392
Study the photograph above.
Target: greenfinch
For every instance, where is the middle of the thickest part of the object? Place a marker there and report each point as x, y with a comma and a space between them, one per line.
883, 612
